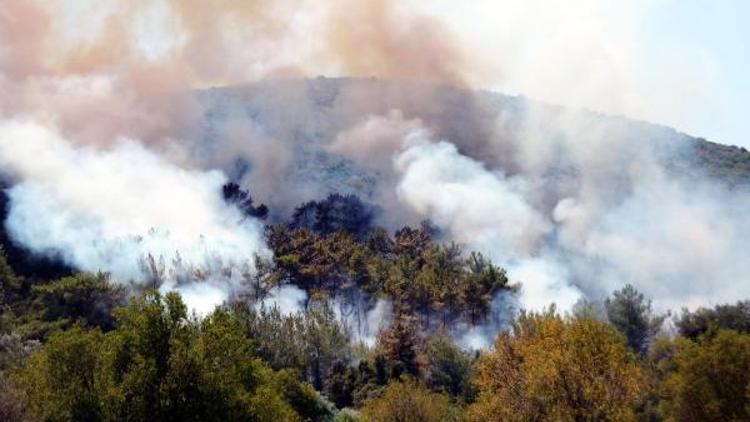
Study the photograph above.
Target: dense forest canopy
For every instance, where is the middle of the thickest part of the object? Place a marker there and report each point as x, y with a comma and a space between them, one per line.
275, 210
349, 316
83, 347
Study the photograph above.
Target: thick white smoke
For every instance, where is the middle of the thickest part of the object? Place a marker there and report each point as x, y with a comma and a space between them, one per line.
617, 218
486, 211
126, 211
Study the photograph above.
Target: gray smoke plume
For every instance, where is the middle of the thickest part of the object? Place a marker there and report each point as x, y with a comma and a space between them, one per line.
596, 214
117, 161
107, 210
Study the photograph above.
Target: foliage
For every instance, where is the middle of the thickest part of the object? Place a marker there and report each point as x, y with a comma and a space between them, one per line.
590, 309
158, 364
10, 285
417, 274
732, 317
60, 379
14, 349
710, 379
552, 369
234, 195
629, 312
449, 369
76, 348
399, 347
406, 400
310, 342
335, 213
13, 407
87, 297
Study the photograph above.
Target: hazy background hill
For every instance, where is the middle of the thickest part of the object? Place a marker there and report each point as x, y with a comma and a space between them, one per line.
310, 113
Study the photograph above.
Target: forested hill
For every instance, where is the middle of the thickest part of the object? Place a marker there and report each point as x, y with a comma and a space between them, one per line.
309, 113
344, 315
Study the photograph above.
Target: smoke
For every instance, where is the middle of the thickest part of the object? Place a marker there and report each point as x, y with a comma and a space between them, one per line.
485, 210
363, 319
108, 210
481, 336
288, 299
118, 163
599, 212
400, 44
474, 204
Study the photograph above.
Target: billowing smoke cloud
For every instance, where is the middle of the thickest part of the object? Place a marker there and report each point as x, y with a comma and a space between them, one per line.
117, 165
109, 210
287, 299
475, 204
486, 211
617, 216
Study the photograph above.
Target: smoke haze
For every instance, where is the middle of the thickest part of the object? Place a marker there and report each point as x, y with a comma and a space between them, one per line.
117, 149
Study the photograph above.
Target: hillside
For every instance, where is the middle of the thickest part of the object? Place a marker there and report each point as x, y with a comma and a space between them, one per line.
310, 113
369, 244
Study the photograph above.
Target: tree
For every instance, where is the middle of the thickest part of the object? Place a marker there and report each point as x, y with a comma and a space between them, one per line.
160, 364
13, 407
60, 379
483, 281
710, 379
310, 342
243, 201
448, 368
326, 342
335, 213
629, 312
552, 369
87, 297
731, 317
592, 309
399, 346
9, 282
406, 400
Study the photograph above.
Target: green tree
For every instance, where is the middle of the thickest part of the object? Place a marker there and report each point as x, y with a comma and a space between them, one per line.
710, 379
732, 317
552, 369
448, 368
406, 400
9, 282
309, 342
60, 379
87, 297
630, 312
13, 406
326, 342
399, 347
160, 364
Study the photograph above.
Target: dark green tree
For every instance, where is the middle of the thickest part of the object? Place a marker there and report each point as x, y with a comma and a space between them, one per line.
448, 368
731, 317
86, 297
630, 312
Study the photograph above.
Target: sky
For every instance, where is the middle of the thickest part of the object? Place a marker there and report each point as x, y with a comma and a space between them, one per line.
682, 63
715, 31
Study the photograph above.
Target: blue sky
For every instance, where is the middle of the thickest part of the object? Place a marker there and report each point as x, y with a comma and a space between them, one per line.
718, 30
681, 63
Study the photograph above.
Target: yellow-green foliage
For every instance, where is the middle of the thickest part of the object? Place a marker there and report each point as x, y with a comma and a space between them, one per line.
405, 400
553, 369
710, 379
160, 364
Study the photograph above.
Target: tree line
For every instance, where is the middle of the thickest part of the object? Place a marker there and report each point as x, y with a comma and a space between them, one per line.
83, 347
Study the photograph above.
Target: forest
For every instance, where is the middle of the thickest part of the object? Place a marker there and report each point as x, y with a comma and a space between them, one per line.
83, 347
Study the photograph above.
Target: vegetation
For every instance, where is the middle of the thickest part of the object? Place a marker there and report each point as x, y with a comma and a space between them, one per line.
82, 347
630, 312
549, 368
